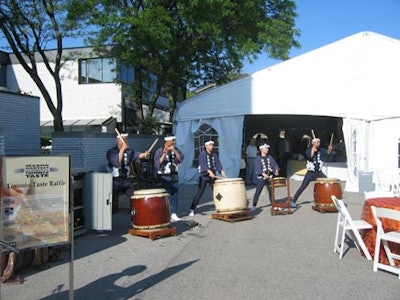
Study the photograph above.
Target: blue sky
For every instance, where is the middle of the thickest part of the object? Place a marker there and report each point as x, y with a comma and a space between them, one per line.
322, 22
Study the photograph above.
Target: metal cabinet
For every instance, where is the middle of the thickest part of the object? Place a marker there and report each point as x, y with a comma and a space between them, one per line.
77, 205
98, 200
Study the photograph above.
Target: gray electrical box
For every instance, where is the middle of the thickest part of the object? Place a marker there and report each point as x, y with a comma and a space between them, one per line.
98, 201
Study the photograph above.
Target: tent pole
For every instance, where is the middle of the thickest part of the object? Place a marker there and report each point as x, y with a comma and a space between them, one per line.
366, 146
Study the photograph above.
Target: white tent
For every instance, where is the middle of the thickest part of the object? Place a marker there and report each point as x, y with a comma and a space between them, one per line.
356, 79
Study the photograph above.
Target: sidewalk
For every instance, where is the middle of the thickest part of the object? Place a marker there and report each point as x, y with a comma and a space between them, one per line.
267, 257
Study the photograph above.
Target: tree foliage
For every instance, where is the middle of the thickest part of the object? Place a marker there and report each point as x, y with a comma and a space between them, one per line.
190, 42
28, 26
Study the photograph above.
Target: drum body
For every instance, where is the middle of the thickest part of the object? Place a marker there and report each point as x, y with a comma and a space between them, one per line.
324, 188
150, 209
229, 195
279, 181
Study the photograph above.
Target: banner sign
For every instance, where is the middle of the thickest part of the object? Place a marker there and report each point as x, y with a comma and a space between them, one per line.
34, 200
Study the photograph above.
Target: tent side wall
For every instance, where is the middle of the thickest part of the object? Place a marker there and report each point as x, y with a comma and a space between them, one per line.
354, 132
230, 132
384, 143
372, 147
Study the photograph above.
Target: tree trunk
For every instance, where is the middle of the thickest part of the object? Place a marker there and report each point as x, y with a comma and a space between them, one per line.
58, 121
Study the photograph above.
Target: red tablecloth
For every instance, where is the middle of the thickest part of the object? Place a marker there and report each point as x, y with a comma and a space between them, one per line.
369, 236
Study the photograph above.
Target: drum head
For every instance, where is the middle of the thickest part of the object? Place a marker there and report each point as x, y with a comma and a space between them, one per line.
325, 180
220, 180
147, 192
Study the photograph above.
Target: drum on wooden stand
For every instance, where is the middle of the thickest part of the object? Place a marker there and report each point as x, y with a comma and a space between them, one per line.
229, 195
324, 188
279, 181
150, 208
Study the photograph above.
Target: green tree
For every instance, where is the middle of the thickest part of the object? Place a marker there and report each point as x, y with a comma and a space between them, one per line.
190, 42
28, 26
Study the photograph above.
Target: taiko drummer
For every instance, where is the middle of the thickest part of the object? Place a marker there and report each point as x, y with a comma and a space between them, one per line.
120, 159
210, 166
167, 160
265, 167
313, 165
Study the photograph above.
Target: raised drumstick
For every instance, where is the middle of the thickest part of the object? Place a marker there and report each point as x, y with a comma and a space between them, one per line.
119, 135
116, 130
331, 142
313, 134
152, 145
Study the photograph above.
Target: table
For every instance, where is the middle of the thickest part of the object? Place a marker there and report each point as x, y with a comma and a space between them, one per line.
369, 236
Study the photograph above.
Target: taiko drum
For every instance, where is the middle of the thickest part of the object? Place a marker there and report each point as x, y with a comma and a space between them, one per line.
229, 195
150, 208
324, 188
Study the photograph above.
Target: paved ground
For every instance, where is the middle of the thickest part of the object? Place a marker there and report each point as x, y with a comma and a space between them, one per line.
267, 257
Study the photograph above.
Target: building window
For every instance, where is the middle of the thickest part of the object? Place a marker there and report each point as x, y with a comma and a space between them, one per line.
126, 73
97, 70
202, 135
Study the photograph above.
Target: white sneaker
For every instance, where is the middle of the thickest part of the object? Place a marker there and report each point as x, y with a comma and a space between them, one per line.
253, 208
174, 217
191, 214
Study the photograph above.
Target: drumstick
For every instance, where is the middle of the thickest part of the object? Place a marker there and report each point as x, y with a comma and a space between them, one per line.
119, 135
313, 134
116, 130
152, 145
330, 143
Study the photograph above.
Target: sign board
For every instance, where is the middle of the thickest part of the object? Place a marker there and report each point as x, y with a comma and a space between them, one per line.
34, 200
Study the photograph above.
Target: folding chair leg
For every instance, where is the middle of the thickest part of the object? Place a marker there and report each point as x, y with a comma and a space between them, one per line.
342, 243
336, 247
388, 253
353, 237
358, 240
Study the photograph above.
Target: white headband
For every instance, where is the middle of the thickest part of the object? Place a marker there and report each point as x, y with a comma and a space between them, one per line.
314, 140
263, 146
122, 135
209, 143
169, 138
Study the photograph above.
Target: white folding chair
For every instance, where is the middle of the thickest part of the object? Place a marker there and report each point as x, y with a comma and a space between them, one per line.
345, 224
379, 194
385, 237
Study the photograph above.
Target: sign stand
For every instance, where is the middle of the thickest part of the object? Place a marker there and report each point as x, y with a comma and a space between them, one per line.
9, 247
71, 242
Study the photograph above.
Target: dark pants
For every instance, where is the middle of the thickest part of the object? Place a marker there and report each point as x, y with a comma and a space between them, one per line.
121, 185
172, 187
260, 183
310, 176
203, 181
283, 162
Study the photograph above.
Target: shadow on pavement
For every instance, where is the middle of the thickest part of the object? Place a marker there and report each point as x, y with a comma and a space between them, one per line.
106, 287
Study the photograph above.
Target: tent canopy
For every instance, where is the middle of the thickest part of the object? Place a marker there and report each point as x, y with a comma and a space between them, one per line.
347, 78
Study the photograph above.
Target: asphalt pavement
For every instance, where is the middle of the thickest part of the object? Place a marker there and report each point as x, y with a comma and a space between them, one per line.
266, 257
